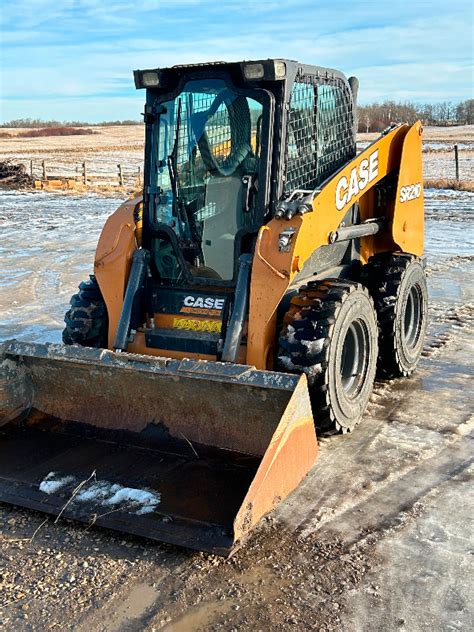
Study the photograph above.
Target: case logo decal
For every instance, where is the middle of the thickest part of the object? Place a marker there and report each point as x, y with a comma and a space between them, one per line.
363, 173
203, 305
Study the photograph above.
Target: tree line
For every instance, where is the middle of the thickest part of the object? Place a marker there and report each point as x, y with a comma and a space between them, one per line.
33, 123
374, 117
377, 116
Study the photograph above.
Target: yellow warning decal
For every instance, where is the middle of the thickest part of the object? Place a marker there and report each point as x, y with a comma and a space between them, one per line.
197, 325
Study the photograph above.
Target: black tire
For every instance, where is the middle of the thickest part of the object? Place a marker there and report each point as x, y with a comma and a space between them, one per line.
86, 320
397, 283
330, 333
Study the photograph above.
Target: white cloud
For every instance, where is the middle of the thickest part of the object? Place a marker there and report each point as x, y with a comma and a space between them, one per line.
82, 52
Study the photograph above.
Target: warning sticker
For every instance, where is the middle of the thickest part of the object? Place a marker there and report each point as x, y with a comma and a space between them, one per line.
197, 325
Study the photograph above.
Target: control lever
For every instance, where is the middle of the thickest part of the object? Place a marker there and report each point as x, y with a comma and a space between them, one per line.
247, 181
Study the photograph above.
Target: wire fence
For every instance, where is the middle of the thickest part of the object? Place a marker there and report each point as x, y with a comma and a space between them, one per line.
452, 164
440, 161
444, 161
87, 173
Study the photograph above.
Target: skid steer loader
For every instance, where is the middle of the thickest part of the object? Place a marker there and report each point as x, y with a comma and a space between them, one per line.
249, 296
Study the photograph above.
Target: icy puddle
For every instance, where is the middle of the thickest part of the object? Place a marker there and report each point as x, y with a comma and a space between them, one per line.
47, 245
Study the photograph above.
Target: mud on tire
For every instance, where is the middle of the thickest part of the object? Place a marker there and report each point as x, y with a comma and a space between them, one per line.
86, 320
330, 333
397, 283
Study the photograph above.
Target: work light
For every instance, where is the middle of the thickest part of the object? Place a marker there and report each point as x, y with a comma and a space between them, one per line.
270, 69
146, 78
254, 71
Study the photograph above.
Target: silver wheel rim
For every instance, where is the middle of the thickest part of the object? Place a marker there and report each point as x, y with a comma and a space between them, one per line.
412, 317
354, 358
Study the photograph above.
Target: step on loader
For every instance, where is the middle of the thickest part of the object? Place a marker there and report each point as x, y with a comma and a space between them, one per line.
248, 297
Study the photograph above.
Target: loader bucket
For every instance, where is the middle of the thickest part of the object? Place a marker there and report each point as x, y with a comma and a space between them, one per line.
187, 452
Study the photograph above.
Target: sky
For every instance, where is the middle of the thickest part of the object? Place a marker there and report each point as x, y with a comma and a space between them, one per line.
73, 59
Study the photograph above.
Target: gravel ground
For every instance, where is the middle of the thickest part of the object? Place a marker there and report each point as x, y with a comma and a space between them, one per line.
363, 534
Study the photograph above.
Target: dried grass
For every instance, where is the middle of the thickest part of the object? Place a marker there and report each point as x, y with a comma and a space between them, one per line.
105, 190
56, 131
449, 183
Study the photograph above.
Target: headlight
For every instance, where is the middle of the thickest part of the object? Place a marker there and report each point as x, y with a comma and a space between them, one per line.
280, 69
146, 78
254, 71
270, 69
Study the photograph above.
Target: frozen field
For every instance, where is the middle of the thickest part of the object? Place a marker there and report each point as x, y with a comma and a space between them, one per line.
379, 535
123, 145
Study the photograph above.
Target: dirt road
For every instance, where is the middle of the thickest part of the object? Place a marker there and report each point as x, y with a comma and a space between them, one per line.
379, 535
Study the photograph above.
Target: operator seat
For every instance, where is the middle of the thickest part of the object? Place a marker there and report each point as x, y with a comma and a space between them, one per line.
224, 201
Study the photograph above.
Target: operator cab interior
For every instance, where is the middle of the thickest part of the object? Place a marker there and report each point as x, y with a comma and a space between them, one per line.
205, 167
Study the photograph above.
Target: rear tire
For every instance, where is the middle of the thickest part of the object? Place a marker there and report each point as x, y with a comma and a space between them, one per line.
87, 320
330, 334
397, 283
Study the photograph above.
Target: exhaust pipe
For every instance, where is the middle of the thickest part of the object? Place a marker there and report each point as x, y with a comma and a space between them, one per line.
354, 86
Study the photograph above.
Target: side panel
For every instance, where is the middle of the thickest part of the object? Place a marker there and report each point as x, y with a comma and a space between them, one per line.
113, 258
408, 216
273, 270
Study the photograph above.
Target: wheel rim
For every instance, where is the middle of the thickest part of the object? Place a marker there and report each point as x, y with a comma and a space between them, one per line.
412, 319
354, 358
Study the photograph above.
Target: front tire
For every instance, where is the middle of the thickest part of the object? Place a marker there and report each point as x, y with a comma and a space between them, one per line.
397, 283
87, 320
330, 333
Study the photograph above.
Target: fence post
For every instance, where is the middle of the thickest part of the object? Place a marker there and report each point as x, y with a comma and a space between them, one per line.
84, 172
120, 175
139, 175
31, 168
43, 164
456, 161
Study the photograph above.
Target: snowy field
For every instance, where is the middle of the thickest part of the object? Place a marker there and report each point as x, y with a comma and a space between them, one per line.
438, 162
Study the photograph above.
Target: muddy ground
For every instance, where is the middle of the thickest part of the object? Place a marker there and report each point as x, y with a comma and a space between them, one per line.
378, 536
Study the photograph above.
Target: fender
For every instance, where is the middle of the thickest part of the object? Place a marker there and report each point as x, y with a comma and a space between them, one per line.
113, 258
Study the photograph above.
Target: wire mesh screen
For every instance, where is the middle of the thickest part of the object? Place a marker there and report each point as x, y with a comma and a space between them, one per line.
213, 121
206, 132
320, 135
216, 133
197, 119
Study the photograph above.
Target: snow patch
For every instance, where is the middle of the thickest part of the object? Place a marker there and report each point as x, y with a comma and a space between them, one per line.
50, 484
112, 494
105, 493
290, 334
287, 363
148, 500
314, 346
310, 371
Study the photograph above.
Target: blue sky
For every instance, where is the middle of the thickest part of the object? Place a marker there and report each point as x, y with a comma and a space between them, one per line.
73, 59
